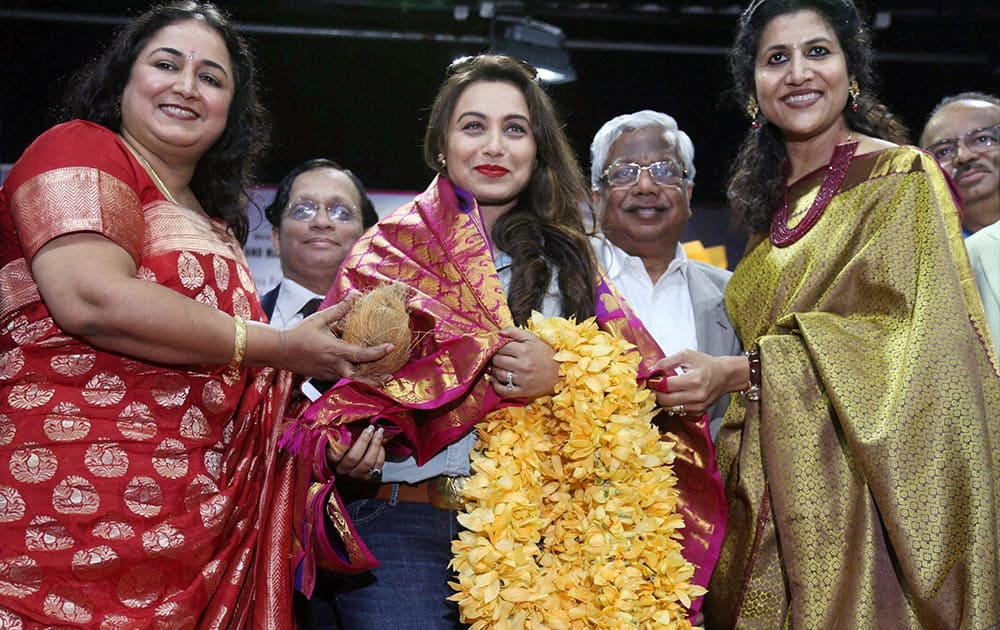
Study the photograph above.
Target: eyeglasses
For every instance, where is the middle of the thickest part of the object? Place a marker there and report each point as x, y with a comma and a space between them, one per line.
976, 141
626, 174
307, 209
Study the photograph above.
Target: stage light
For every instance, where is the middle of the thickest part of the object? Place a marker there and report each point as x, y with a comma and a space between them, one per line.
540, 44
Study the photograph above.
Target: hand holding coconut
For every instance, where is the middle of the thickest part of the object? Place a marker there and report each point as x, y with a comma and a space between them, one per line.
376, 319
312, 348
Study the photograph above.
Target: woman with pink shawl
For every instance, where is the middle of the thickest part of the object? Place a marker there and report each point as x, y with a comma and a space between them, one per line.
498, 234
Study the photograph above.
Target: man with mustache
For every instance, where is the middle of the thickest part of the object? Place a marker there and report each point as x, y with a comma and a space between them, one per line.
642, 178
319, 210
961, 133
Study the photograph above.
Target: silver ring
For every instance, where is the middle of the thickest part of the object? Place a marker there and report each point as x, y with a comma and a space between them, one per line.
510, 380
375, 475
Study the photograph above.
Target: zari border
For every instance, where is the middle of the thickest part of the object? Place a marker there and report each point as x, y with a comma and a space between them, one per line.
17, 287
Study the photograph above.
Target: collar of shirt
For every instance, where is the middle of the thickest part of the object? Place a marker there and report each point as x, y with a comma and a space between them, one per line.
292, 296
617, 262
665, 307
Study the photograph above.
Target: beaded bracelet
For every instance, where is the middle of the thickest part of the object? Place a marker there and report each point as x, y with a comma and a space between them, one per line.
752, 391
240, 344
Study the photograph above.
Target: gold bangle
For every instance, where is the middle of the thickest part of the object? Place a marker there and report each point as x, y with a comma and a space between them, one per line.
240, 344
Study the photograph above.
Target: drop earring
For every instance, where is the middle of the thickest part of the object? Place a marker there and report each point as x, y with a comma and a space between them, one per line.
443, 163
853, 91
753, 110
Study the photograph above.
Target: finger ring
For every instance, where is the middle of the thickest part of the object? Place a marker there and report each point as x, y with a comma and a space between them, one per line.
375, 475
677, 410
510, 380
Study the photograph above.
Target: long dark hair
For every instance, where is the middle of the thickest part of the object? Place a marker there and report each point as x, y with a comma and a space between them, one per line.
756, 180
225, 173
546, 225
276, 208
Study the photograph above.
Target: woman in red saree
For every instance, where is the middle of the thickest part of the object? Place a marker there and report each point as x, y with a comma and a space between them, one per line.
139, 406
496, 235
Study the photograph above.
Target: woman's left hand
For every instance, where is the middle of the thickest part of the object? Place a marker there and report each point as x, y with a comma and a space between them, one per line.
525, 366
700, 381
365, 455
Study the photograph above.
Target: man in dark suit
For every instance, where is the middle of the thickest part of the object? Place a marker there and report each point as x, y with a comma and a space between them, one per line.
319, 211
642, 176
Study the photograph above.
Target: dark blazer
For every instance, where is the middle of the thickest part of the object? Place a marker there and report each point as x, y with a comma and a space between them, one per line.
716, 335
269, 299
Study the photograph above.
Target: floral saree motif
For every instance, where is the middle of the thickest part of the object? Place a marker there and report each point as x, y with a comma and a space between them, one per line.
131, 493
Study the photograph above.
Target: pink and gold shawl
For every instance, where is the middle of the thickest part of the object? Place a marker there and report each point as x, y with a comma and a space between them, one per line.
457, 308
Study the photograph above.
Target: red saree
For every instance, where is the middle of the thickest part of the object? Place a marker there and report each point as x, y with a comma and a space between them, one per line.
457, 308
131, 493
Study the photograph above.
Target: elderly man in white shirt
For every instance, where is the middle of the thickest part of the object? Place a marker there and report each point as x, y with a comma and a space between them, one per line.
642, 176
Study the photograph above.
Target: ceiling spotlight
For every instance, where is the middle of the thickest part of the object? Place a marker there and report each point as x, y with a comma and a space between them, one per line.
540, 44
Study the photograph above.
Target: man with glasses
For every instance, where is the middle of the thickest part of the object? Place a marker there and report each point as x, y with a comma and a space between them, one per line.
962, 134
642, 177
319, 210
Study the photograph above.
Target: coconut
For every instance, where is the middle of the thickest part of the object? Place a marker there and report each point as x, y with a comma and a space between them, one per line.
379, 316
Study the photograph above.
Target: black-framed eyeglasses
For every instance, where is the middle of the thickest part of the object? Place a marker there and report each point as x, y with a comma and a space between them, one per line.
976, 141
626, 174
307, 209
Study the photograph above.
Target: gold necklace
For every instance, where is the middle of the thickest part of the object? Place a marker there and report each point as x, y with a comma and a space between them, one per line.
149, 169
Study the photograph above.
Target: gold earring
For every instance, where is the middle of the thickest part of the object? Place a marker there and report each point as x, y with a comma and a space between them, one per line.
443, 163
753, 110
853, 92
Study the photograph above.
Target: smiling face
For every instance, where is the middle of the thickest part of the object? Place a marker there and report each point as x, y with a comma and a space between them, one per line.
490, 145
801, 75
977, 173
645, 219
311, 251
176, 101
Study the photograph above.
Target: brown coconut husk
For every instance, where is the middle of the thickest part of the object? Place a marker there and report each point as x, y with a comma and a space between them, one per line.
379, 316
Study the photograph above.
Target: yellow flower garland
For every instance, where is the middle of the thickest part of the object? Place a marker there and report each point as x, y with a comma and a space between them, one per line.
571, 517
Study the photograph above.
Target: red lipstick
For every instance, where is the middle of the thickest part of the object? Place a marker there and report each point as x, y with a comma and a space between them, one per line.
492, 170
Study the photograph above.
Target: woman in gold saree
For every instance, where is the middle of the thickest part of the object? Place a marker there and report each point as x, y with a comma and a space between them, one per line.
863, 478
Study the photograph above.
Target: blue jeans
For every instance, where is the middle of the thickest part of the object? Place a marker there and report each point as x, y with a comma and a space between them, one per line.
412, 541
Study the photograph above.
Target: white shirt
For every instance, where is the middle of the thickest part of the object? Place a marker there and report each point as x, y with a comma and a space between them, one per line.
664, 307
292, 296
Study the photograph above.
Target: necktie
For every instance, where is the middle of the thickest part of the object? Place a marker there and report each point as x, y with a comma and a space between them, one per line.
310, 307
